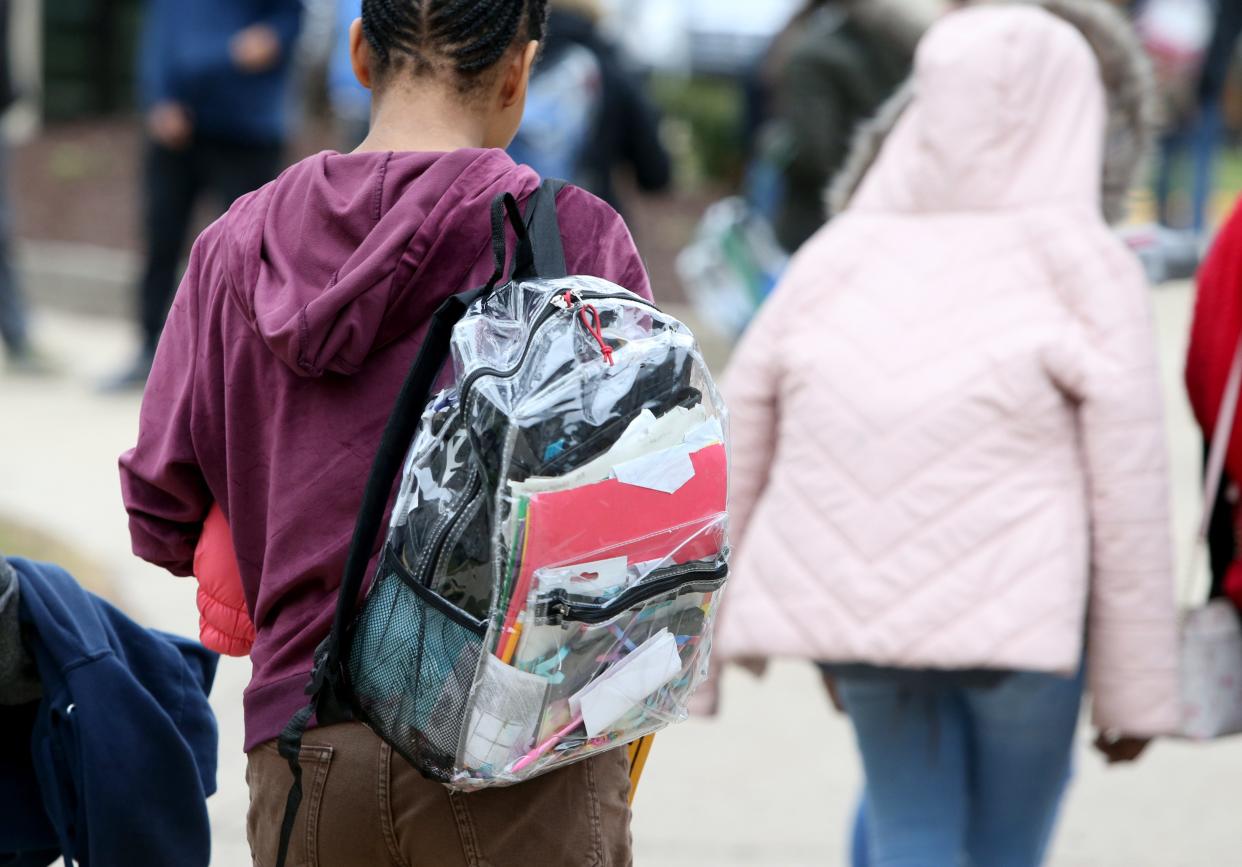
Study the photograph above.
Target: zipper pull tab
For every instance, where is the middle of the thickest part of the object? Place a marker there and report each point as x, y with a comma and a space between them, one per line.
566, 300
558, 611
595, 327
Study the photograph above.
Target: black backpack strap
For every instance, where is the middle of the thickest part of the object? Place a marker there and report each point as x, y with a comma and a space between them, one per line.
329, 699
543, 254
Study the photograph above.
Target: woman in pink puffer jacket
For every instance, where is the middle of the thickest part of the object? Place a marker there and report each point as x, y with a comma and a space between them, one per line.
950, 469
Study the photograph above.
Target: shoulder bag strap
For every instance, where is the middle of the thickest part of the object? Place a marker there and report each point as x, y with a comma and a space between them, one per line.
1222, 437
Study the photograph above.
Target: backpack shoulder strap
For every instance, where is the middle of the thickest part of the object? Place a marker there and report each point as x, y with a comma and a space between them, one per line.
330, 699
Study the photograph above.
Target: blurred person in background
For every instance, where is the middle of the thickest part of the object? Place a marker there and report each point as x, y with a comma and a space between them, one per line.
949, 482
1191, 46
14, 315
832, 68
1221, 56
587, 115
214, 78
351, 102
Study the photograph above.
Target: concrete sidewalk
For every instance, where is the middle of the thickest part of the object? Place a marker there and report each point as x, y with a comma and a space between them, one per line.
772, 782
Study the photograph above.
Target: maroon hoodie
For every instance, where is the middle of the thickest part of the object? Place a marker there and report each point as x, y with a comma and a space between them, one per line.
299, 317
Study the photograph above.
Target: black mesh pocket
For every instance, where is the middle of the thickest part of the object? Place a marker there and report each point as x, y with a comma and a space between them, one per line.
412, 663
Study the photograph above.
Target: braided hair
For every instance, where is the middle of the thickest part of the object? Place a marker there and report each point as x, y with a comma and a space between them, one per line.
465, 37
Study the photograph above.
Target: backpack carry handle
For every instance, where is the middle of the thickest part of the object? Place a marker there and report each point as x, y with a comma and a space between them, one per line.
540, 252
539, 256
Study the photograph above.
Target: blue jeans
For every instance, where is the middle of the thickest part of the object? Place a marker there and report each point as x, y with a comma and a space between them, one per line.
1201, 139
962, 775
13, 326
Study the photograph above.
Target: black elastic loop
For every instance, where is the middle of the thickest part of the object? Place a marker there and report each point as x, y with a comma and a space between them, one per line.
506, 206
289, 746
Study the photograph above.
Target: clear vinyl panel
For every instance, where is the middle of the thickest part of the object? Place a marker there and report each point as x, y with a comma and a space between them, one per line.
567, 497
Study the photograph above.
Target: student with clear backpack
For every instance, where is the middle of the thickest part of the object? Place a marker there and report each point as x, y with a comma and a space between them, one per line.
283, 355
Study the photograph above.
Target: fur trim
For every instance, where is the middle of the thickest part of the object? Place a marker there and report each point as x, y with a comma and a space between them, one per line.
898, 22
869, 139
1132, 107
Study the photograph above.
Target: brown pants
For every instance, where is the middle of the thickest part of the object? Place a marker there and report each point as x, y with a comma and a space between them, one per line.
363, 806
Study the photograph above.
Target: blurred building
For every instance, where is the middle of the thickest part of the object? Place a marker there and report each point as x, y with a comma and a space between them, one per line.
88, 55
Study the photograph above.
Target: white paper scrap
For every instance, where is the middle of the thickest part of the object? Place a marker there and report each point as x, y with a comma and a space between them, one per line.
645, 434
709, 433
587, 579
506, 713
665, 471
627, 684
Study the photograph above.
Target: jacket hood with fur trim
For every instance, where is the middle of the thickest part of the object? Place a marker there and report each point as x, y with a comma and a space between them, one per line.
1124, 71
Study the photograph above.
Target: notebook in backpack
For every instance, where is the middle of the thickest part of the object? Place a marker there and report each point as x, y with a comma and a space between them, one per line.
555, 555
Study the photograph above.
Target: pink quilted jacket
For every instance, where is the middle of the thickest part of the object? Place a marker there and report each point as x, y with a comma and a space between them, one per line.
947, 427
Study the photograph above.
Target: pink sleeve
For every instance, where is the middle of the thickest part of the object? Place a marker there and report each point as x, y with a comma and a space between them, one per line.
598, 243
161, 484
1111, 367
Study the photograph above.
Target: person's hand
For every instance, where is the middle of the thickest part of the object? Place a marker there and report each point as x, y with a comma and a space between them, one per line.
1119, 749
757, 666
834, 694
169, 125
255, 49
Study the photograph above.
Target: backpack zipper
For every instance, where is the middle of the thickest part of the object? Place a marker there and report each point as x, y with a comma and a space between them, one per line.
430, 564
691, 577
553, 307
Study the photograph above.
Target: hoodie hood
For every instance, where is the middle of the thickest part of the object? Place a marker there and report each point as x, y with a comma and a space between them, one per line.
1010, 105
345, 253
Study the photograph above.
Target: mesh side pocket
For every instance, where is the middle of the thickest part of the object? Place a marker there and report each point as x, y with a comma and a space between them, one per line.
412, 662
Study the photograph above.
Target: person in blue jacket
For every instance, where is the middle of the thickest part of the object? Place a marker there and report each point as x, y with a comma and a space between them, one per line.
107, 743
213, 79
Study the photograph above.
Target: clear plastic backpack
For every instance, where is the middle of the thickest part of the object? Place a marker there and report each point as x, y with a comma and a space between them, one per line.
558, 545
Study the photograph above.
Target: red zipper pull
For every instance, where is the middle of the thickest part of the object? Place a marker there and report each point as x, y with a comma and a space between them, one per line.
596, 330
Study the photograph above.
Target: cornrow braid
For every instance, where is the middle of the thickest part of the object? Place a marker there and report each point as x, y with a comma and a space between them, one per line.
468, 37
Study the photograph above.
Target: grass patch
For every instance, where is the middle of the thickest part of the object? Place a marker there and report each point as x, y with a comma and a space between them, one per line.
18, 540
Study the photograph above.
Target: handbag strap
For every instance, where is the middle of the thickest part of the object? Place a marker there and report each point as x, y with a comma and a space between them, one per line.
1222, 436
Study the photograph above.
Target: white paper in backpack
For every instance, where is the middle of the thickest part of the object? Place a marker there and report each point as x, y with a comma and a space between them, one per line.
666, 471
627, 684
596, 579
506, 713
645, 435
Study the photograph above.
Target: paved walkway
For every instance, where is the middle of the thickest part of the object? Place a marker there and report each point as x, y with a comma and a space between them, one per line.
771, 783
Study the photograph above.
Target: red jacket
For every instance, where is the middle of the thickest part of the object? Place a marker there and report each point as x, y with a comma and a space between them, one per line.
1215, 333
224, 623
1214, 338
